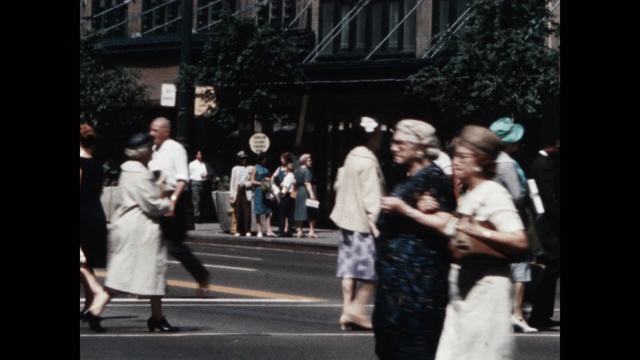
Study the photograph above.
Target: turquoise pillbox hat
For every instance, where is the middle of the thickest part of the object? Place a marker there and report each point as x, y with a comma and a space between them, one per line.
508, 131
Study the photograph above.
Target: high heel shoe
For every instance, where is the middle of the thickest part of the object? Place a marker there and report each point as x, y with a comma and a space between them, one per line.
300, 234
520, 325
354, 322
94, 322
162, 325
313, 235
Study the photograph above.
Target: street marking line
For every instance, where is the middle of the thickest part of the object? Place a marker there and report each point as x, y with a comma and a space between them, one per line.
168, 301
234, 291
218, 266
341, 334
229, 256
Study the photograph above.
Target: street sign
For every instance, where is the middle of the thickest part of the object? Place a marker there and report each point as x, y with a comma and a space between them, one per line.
168, 96
259, 142
202, 105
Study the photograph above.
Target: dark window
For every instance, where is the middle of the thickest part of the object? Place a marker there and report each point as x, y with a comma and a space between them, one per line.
208, 12
372, 25
446, 12
161, 16
280, 12
110, 16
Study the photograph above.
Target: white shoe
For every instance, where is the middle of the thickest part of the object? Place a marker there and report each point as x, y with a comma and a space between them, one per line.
521, 325
248, 234
259, 235
236, 234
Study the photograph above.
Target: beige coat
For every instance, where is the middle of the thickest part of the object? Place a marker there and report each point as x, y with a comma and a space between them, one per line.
359, 187
137, 257
233, 183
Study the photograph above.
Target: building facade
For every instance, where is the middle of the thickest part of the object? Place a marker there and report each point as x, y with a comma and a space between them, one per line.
358, 56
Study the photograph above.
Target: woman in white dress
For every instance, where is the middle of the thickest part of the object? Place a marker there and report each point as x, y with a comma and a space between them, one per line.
477, 323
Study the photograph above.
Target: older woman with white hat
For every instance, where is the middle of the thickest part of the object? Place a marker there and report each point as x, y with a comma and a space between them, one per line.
359, 187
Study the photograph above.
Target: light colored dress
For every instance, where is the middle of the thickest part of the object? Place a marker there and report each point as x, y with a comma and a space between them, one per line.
477, 324
137, 257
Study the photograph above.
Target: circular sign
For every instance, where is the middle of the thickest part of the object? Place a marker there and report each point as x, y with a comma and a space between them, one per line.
259, 142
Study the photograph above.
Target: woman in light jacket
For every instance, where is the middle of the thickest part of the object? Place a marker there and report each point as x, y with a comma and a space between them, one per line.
359, 187
137, 255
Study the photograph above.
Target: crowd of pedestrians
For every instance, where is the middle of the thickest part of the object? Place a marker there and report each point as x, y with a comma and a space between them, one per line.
396, 246
433, 299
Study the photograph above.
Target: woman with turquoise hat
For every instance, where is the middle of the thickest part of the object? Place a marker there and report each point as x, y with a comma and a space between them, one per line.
511, 176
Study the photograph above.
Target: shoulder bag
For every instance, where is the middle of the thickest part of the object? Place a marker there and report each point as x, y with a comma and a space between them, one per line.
466, 249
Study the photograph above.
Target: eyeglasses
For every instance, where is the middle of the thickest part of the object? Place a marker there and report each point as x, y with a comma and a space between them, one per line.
464, 155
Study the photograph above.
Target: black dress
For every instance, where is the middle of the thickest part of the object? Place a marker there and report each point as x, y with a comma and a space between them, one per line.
93, 222
412, 265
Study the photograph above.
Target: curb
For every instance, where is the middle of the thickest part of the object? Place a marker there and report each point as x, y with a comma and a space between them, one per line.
290, 244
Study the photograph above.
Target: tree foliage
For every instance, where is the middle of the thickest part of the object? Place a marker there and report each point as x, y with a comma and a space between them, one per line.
247, 65
105, 87
495, 65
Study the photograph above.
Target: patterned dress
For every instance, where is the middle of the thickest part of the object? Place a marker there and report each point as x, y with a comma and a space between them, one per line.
412, 266
259, 206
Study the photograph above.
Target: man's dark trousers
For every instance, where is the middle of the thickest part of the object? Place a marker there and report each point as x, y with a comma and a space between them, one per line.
174, 231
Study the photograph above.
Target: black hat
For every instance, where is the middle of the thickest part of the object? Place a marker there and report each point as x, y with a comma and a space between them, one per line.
140, 140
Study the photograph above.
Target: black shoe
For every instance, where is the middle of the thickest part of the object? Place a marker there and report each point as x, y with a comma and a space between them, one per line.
94, 322
162, 325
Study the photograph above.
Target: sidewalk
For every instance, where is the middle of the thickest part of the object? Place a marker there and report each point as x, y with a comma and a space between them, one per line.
211, 233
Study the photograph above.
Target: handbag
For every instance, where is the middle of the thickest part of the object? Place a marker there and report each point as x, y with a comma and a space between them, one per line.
265, 186
312, 203
293, 193
466, 249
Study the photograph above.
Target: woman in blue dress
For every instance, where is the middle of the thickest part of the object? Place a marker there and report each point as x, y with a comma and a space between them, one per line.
259, 174
412, 261
305, 190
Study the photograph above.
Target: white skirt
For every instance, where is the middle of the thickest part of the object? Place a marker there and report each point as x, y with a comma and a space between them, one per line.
477, 324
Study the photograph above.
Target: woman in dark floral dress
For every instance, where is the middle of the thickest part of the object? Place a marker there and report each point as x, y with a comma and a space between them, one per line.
412, 257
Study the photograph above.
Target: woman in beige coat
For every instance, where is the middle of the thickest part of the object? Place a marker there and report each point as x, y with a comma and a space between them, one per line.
137, 260
359, 188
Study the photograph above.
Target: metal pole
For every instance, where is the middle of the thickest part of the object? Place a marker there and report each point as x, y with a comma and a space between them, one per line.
185, 91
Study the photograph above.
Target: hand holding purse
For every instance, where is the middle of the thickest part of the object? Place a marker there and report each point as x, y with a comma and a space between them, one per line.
466, 249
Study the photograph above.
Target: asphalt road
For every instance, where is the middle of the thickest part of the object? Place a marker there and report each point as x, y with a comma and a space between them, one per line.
263, 304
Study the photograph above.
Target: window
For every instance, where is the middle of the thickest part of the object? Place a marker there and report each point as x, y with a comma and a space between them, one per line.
110, 16
280, 12
208, 12
370, 25
161, 16
446, 12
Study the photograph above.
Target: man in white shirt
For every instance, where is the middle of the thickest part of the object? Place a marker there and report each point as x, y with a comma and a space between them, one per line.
169, 164
198, 175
